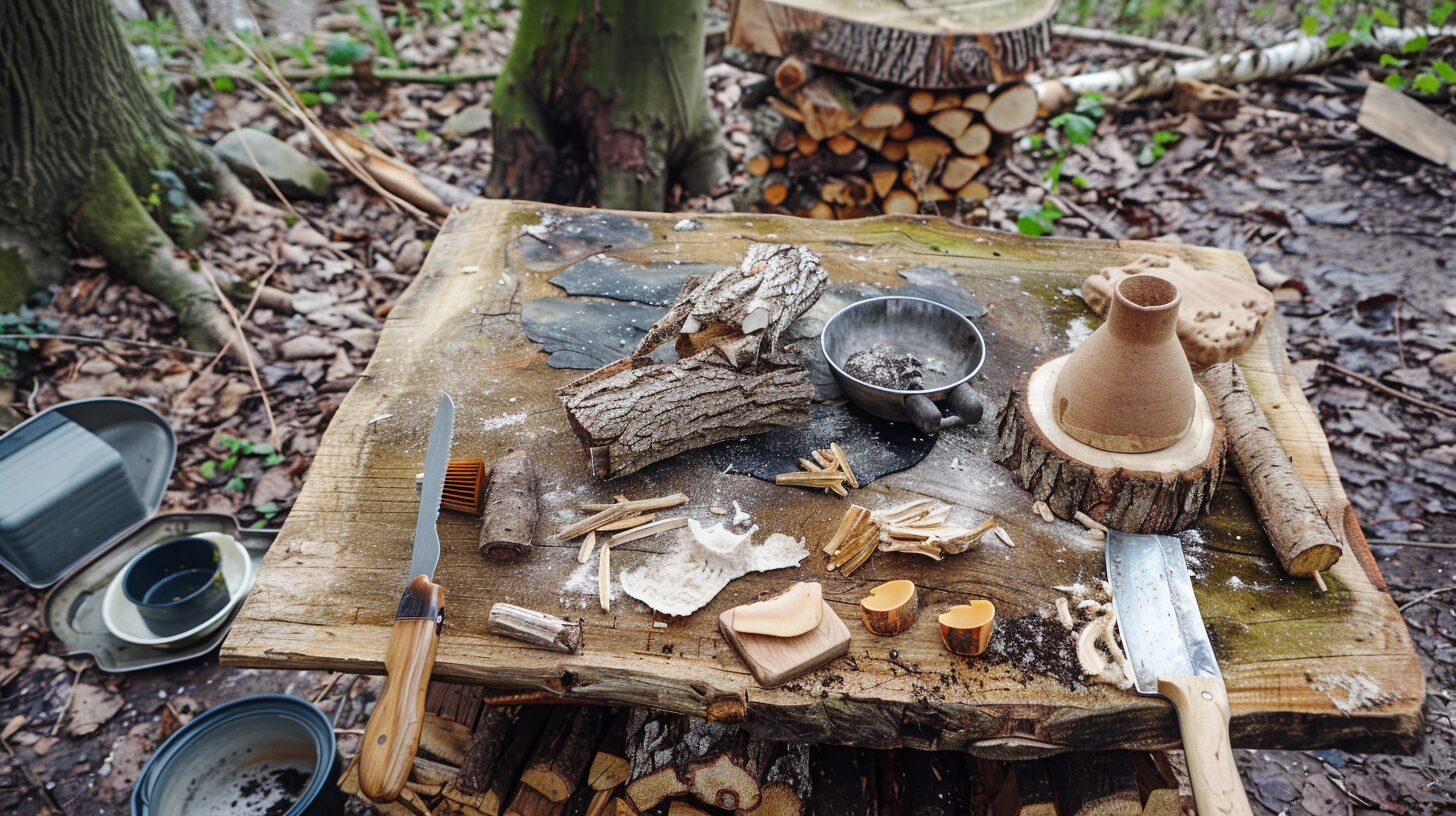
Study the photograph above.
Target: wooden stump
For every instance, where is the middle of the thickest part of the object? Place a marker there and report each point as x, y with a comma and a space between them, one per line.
1159, 492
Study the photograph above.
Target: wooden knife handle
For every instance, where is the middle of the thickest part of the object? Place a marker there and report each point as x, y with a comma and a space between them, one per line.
393, 734
1203, 718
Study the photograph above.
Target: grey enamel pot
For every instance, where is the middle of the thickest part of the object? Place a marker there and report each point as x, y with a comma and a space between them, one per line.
945, 340
267, 754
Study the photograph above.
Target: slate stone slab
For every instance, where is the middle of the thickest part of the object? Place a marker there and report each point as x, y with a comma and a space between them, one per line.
586, 334
876, 447
606, 276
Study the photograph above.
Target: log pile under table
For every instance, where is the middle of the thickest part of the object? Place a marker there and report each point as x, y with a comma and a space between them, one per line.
523, 756
829, 145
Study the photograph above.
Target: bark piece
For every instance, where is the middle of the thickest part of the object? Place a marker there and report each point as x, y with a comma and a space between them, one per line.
1095, 783
931, 44
535, 628
512, 759
510, 509
1158, 492
635, 412
1302, 537
787, 785
1019, 788
565, 750
965, 629
890, 608
653, 751
791, 74
797, 611
1205, 100
1392, 115
728, 765
827, 163
486, 744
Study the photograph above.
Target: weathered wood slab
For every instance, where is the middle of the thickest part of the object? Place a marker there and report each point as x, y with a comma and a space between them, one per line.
1303, 669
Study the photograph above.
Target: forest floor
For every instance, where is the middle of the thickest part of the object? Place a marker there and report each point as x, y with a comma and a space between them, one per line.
1355, 233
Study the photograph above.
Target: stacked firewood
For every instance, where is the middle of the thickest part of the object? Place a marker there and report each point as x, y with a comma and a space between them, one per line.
830, 145
481, 755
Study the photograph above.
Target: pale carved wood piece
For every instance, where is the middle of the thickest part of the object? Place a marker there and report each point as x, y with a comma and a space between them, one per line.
775, 661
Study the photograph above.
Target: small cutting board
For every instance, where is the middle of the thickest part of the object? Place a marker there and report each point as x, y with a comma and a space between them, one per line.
775, 661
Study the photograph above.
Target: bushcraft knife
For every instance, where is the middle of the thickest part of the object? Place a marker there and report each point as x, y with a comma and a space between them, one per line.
1163, 635
393, 733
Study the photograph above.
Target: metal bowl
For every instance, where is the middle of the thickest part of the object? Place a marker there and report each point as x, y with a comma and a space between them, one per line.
945, 340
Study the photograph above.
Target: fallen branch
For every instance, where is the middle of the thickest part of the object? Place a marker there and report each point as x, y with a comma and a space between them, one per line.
1387, 390
1156, 77
1072, 32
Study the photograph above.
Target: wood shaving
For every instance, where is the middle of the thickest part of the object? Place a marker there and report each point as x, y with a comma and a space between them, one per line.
1098, 651
826, 468
1041, 509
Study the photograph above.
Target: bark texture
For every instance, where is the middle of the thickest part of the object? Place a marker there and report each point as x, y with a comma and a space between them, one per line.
83, 141
605, 96
1302, 537
510, 508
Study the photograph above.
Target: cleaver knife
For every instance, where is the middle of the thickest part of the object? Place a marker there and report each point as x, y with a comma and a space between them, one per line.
393, 734
1167, 645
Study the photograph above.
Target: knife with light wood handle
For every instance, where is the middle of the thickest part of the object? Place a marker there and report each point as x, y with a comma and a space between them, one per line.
393, 734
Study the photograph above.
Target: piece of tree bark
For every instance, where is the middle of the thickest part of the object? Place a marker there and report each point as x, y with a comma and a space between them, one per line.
510, 508
527, 801
1205, 100
843, 782
565, 750
1159, 492
575, 98
489, 738
1302, 537
1095, 783
536, 628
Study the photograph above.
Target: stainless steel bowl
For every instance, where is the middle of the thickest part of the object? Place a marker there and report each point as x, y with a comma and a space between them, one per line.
945, 340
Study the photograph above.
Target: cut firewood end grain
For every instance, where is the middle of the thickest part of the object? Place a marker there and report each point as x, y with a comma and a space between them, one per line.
890, 608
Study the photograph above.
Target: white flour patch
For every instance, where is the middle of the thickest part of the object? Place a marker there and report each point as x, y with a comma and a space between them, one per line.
1351, 692
502, 420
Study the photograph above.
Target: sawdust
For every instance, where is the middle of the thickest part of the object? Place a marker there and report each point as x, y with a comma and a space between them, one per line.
1351, 692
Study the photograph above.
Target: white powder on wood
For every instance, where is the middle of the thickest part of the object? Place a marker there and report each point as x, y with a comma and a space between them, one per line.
685, 579
1351, 692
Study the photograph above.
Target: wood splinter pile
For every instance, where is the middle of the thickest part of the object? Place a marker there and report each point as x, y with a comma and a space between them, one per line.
921, 527
834, 146
829, 469
626, 520
1098, 651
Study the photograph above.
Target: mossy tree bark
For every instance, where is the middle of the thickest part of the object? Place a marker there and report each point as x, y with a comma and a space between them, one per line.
605, 96
83, 143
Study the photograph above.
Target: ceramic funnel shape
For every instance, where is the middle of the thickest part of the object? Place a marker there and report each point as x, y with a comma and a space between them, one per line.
1128, 388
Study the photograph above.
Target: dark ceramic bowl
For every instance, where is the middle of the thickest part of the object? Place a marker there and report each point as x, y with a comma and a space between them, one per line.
266, 754
175, 582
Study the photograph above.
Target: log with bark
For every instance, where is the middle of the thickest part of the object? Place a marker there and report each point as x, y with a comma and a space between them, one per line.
1158, 492
510, 508
732, 377
565, 750
536, 628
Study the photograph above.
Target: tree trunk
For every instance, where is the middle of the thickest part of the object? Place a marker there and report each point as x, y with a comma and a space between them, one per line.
605, 96
83, 145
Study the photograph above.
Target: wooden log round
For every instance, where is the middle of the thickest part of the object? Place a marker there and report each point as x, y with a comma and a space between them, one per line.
1159, 492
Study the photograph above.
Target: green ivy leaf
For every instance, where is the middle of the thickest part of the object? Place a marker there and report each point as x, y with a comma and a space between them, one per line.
1415, 45
1441, 11
229, 463
1392, 61
423, 135
1077, 127
237, 484
1080, 181
208, 469
274, 459
267, 508
1327, 7
343, 49
1395, 81
1337, 39
327, 97
1444, 70
1090, 103
259, 524
223, 84
1384, 17
308, 98
370, 116
261, 449
1165, 137
1310, 24
1426, 83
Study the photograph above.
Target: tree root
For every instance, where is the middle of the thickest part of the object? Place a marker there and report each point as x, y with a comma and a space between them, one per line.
114, 223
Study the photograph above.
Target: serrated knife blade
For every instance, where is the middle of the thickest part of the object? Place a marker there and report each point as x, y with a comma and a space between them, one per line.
432, 486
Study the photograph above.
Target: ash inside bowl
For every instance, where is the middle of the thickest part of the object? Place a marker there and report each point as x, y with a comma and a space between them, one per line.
887, 367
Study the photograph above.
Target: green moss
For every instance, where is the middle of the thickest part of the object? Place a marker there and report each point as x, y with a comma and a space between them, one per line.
14, 280
113, 221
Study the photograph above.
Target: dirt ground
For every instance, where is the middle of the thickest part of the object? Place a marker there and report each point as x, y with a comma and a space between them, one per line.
1355, 235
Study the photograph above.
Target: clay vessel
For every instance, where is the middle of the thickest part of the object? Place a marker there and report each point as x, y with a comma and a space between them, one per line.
1128, 388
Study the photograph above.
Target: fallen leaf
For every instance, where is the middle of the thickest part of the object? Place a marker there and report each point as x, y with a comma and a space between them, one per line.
91, 708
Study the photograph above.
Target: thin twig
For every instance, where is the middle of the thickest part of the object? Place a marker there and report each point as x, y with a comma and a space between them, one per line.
70, 695
1072, 32
247, 355
1407, 542
1426, 597
1385, 389
264, 176
81, 338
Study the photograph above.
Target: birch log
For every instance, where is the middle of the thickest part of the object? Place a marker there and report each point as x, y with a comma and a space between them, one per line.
1156, 77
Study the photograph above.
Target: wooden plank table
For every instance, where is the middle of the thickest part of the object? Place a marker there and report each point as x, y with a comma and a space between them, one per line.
1304, 669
